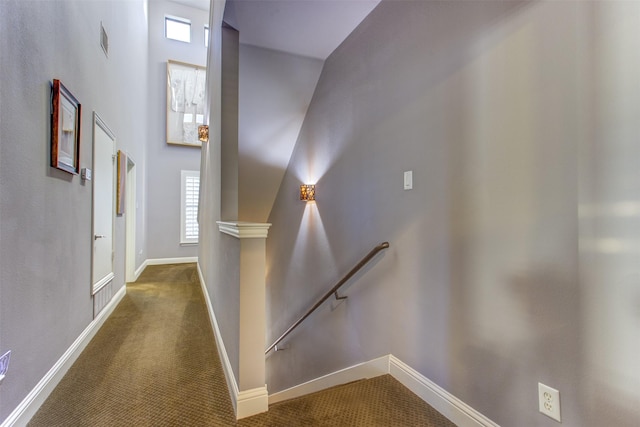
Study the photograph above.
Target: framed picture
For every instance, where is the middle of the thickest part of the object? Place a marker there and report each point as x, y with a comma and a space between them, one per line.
186, 88
122, 174
65, 129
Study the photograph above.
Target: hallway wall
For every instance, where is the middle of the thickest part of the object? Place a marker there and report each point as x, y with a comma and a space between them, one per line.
513, 260
166, 161
219, 254
45, 214
275, 91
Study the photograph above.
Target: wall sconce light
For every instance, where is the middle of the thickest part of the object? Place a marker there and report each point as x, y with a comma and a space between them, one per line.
203, 133
307, 192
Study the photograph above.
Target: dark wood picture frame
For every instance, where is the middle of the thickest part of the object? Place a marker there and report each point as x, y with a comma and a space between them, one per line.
66, 115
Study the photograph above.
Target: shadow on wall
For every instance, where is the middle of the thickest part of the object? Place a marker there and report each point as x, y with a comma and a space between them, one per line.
547, 329
262, 166
309, 241
548, 287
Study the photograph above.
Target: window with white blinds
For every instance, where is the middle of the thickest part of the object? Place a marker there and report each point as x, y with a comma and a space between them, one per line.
189, 207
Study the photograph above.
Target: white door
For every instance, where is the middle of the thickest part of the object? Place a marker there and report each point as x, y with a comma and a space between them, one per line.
103, 204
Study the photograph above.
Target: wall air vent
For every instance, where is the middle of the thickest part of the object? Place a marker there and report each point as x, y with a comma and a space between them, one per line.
104, 40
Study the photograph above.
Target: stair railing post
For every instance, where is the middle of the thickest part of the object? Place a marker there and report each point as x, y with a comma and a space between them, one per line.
252, 390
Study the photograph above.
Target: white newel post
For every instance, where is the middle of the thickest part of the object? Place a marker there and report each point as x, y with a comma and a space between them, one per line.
253, 397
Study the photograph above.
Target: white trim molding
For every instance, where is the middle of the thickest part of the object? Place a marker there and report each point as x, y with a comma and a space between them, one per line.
244, 230
139, 270
32, 402
102, 283
370, 369
163, 261
247, 402
232, 384
444, 402
252, 402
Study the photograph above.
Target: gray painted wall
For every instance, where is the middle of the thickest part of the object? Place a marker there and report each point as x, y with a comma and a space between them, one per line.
229, 129
166, 161
275, 91
45, 227
226, 294
513, 260
219, 254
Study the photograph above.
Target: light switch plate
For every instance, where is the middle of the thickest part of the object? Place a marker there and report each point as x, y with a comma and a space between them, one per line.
408, 180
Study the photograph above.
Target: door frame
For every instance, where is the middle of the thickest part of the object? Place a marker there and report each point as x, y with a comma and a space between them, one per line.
95, 287
130, 218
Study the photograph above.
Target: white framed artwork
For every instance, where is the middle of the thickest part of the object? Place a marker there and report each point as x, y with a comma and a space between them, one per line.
186, 86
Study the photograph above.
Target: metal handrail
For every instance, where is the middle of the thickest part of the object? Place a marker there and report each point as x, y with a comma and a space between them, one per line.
333, 290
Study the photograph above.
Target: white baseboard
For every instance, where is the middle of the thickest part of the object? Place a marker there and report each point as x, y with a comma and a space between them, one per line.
162, 261
252, 402
370, 369
222, 351
139, 270
247, 402
32, 402
444, 402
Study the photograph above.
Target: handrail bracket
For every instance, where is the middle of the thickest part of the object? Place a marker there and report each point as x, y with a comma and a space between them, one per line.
338, 297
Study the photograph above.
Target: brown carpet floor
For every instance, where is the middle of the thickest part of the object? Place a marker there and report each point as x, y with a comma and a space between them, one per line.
154, 363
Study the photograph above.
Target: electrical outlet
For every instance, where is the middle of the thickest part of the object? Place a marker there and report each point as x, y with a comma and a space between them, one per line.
4, 365
549, 401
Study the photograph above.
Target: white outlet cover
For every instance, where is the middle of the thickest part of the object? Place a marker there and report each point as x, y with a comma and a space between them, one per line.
549, 401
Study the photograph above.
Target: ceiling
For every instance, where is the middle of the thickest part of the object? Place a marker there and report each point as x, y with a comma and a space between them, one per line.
312, 28
198, 4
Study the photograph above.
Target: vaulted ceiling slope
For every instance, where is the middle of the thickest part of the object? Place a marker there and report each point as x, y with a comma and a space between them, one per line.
312, 28
198, 4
